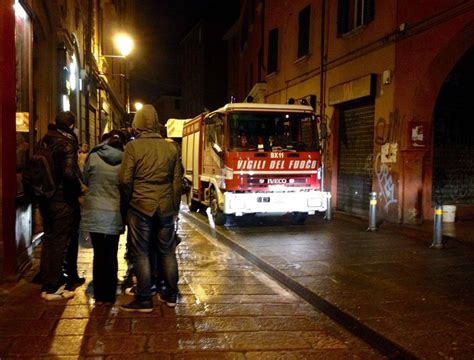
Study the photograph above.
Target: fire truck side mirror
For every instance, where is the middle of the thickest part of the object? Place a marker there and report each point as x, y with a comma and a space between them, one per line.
217, 149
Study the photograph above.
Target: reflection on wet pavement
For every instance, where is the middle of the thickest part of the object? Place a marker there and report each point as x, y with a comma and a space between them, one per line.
228, 309
391, 281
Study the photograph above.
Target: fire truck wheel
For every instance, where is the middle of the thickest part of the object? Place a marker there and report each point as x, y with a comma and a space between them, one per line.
298, 218
217, 215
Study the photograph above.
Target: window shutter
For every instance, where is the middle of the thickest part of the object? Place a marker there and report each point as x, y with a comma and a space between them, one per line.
272, 51
303, 31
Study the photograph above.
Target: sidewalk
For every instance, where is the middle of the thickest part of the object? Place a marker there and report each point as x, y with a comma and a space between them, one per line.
460, 231
228, 309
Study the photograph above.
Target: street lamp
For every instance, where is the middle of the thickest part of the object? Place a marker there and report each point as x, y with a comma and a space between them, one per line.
124, 44
138, 105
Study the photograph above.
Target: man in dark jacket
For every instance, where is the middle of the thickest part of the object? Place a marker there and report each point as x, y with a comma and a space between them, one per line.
150, 182
61, 213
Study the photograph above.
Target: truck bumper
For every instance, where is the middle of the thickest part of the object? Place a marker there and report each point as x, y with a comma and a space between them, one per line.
276, 202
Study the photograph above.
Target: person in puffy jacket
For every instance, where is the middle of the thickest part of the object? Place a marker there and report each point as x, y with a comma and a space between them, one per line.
150, 183
61, 213
101, 215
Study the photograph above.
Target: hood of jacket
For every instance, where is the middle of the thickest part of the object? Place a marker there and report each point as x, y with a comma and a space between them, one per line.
109, 154
146, 119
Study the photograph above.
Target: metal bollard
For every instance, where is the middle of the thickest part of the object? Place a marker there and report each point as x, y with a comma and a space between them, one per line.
328, 214
373, 212
438, 228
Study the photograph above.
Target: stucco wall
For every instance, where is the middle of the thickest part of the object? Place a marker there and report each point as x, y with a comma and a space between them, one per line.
422, 64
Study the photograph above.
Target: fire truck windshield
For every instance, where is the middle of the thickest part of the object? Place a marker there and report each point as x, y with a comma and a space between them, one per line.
272, 131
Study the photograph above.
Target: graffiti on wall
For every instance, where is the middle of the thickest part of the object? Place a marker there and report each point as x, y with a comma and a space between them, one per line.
388, 130
385, 182
388, 153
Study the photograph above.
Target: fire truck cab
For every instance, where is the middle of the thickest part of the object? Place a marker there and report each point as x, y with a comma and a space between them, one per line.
249, 158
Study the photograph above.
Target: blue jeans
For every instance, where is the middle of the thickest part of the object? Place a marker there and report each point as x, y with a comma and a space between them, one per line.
150, 236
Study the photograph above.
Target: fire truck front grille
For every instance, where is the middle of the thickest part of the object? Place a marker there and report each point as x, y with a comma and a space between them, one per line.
265, 181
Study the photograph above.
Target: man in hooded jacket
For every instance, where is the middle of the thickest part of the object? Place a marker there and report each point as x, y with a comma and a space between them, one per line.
150, 183
61, 213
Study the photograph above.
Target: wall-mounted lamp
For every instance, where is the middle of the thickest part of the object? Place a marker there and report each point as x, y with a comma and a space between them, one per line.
124, 44
387, 77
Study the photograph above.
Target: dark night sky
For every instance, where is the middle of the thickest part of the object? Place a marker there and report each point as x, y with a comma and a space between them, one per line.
160, 24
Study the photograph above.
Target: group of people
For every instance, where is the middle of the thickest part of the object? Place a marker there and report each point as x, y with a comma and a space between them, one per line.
134, 184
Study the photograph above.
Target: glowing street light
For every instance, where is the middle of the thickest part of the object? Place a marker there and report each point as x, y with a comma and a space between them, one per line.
124, 44
138, 105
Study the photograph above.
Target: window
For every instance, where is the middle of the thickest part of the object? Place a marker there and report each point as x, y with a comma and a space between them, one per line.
272, 64
214, 126
272, 131
23, 55
353, 14
303, 31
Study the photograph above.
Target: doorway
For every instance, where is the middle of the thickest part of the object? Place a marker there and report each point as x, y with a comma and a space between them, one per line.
453, 136
356, 143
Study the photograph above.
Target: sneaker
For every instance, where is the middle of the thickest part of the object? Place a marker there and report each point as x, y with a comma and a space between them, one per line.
169, 300
139, 306
133, 290
60, 294
72, 284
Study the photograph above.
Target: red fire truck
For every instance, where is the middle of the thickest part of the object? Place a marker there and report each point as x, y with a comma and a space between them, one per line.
249, 158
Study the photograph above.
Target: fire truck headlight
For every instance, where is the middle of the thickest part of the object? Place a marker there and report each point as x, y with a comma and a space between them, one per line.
314, 202
229, 174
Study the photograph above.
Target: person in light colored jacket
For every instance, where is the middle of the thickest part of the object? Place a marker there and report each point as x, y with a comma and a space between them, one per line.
101, 215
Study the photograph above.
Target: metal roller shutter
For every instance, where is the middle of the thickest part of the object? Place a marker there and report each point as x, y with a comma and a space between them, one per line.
356, 133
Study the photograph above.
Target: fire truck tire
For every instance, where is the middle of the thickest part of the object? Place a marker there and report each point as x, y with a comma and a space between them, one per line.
192, 204
217, 215
298, 218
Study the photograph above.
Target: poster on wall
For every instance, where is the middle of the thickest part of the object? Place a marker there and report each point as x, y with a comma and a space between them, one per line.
418, 134
22, 121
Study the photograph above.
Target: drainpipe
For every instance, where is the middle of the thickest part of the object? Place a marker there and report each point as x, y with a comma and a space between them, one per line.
321, 77
323, 60
262, 45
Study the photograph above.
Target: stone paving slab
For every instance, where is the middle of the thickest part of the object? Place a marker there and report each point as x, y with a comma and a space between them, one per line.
228, 309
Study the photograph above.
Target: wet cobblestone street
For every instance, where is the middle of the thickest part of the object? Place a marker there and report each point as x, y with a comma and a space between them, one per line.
389, 287
229, 309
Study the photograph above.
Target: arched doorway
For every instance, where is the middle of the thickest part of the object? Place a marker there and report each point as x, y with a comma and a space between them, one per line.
453, 136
